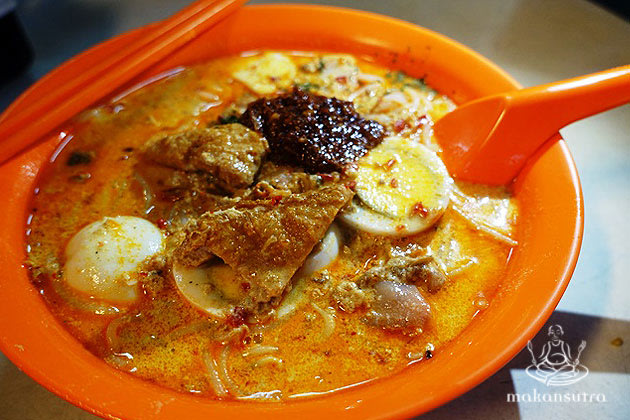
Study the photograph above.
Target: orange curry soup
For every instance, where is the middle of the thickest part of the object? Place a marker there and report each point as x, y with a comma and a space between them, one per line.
265, 226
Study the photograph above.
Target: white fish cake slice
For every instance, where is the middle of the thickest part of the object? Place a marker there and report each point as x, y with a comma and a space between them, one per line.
266, 73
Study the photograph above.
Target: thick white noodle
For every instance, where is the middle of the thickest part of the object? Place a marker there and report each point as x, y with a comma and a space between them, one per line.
462, 267
111, 333
329, 322
426, 133
266, 360
224, 374
259, 350
147, 195
458, 200
88, 305
215, 380
485, 228
395, 96
415, 98
193, 327
276, 394
231, 334
369, 78
361, 91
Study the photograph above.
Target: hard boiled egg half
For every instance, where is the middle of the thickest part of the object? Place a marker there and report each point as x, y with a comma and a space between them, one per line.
102, 258
402, 188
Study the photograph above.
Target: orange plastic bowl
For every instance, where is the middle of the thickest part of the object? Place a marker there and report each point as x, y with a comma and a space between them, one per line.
538, 272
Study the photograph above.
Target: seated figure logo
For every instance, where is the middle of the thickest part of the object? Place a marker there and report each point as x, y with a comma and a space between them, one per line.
555, 366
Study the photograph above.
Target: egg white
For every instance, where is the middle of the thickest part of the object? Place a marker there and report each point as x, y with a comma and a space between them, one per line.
201, 286
102, 258
324, 254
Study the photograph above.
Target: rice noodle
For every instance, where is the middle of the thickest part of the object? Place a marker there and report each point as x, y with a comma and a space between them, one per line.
462, 267
361, 91
229, 335
153, 120
288, 306
259, 329
266, 360
329, 322
384, 119
215, 380
83, 303
111, 333
497, 235
178, 216
426, 134
292, 299
211, 97
224, 374
485, 228
123, 361
458, 200
276, 394
415, 98
389, 100
458, 196
259, 350
193, 327
369, 78
146, 191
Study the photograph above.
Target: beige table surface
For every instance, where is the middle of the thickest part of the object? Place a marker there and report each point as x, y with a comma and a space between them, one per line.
536, 41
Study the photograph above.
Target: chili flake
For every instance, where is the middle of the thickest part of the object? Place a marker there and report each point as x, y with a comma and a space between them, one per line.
418, 209
389, 164
400, 125
237, 317
422, 121
275, 200
327, 177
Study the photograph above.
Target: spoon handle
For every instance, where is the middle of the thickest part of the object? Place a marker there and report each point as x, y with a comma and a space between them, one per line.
489, 140
558, 104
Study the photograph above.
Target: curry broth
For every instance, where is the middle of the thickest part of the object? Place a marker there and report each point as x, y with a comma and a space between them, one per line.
162, 337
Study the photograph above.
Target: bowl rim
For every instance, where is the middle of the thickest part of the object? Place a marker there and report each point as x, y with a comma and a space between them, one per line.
119, 408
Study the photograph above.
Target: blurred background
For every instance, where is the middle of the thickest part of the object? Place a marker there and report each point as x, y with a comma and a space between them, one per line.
537, 41
38, 35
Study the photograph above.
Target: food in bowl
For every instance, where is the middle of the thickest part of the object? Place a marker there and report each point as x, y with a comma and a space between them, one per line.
266, 226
